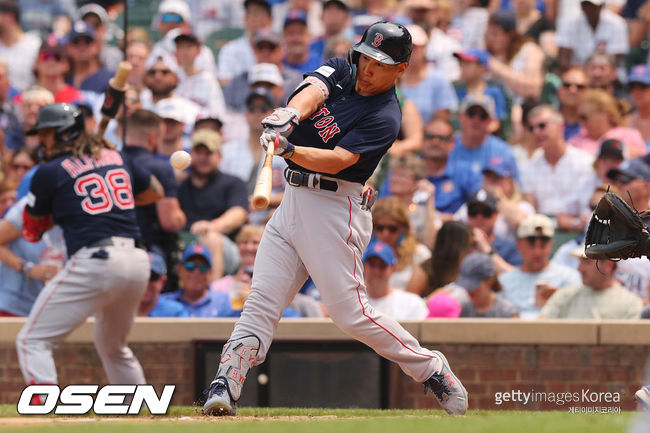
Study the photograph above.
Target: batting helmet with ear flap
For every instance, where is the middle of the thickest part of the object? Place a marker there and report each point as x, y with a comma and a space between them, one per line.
66, 118
384, 41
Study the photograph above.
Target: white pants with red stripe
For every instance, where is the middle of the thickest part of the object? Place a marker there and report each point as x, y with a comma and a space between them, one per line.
324, 234
110, 288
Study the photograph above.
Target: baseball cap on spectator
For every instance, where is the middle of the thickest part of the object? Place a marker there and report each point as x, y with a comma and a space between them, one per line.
443, 305
171, 108
79, 29
266, 73
639, 74
10, 7
474, 55
482, 197
506, 19
500, 166
165, 59
611, 148
197, 250
629, 170
94, 9
263, 92
382, 251
263, 3
475, 267
295, 16
267, 35
157, 263
174, 7
335, 3
594, 2
187, 35
478, 100
208, 138
535, 225
207, 115
51, 47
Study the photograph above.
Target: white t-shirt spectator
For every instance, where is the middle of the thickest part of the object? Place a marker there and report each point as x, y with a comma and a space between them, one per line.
235, 57
610, 36
204, 90
471, 26
552, 187
401, 305
211, 15
20, 58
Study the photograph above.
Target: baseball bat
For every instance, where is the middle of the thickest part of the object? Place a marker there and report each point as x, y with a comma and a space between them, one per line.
114, 96
262, 192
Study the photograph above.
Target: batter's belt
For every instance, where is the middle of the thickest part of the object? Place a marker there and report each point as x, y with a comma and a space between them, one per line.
115, 241
310, 180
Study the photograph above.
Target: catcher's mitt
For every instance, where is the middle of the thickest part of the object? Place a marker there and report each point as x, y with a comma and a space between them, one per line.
616, 231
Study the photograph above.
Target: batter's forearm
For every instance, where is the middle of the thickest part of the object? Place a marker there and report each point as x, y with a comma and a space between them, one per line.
329, 161
307, 101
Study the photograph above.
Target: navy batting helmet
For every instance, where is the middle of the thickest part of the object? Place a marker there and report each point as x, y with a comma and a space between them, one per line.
384, 41
66, 118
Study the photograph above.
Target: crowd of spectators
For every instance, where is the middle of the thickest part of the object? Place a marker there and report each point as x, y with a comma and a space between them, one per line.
517, 116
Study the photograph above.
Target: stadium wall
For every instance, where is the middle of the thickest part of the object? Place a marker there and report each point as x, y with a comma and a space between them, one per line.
545, 358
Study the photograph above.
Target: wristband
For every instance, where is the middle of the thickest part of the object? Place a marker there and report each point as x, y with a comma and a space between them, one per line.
26, 267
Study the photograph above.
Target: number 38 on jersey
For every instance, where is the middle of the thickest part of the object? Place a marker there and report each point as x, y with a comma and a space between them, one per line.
102, 193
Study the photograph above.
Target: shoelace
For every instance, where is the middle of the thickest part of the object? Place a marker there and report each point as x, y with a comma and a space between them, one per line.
436, 384
214, 388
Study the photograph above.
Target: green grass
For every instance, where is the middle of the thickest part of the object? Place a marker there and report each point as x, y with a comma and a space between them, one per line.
283, 420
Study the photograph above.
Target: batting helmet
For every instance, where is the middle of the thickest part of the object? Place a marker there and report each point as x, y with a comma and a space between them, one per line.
66, 118
384, 41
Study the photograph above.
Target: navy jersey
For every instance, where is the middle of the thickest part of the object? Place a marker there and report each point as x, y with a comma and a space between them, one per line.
91, 199
148, 215
365, 125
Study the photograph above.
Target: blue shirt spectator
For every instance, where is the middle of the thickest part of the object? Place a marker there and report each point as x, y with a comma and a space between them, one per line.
18, 291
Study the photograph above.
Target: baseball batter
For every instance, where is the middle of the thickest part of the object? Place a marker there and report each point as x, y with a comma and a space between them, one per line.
91, 191
341, 120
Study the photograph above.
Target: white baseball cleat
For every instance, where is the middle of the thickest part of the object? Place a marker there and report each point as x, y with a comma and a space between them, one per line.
643, 397
447, 388
219, 402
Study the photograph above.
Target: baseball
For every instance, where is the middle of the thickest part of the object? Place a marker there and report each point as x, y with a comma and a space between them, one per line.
262, 379
180, 160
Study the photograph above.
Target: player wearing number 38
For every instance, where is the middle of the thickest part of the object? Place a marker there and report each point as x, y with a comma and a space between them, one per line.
338, 124
90, 190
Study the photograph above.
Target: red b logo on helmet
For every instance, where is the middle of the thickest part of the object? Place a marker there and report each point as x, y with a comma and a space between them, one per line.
378, 38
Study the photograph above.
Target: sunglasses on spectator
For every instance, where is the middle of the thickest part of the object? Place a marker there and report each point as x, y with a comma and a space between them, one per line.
480, 210
153, 276
428, 136
50, 55
171, 18
531, 239
82, 40
540, 125
259, 108
637, 85
191, 267
477, 111
623, 178
382, 227
266, 46
153, 72
20, 167
577, 86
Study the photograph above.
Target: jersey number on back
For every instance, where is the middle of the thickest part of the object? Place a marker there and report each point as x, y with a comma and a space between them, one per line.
102, 193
